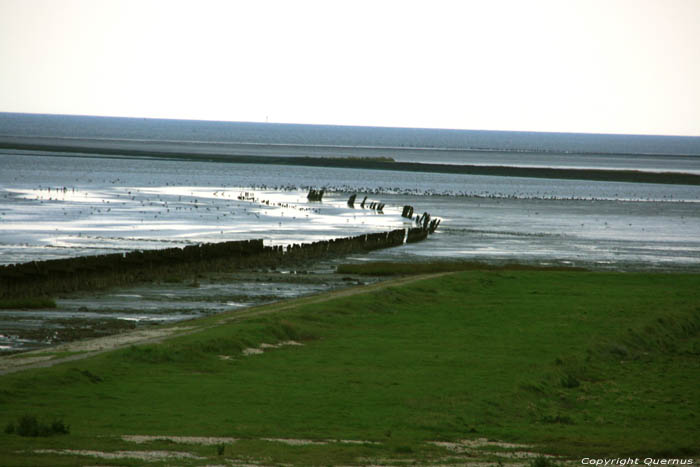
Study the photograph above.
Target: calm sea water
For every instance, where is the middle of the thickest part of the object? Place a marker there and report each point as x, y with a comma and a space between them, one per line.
202, 132
119, 204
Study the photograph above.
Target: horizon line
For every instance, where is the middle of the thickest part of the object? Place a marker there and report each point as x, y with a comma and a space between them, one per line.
340, 125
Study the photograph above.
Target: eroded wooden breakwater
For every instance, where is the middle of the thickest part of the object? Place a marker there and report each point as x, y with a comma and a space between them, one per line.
40, 278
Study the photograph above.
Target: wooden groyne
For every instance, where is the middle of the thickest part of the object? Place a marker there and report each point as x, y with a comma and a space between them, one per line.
373, 205
416, 234
424, 222
40, 278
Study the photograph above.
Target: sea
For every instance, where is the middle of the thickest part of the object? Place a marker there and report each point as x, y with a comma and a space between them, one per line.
60, 201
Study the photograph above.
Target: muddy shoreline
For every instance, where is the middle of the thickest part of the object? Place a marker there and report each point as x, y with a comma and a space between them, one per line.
116, 310
210, 155
44, 278
55, 352
168, 285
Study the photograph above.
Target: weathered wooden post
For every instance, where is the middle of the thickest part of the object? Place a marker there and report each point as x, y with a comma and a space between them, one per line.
315, 195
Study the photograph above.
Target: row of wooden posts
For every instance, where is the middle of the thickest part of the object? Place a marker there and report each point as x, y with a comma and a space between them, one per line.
38, 278
374, 205
424, 221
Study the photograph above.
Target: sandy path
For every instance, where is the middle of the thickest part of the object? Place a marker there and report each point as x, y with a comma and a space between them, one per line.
48, 357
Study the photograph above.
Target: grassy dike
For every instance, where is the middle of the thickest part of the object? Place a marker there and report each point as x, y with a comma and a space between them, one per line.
574, 364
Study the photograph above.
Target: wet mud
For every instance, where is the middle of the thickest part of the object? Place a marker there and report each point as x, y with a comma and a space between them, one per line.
90, 314
41, 278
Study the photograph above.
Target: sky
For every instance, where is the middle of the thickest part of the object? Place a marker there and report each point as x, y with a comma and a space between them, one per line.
611, 66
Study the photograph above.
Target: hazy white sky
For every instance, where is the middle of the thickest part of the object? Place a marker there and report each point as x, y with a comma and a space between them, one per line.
608, 66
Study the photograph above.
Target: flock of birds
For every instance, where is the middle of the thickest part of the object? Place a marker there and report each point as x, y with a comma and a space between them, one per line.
147, 214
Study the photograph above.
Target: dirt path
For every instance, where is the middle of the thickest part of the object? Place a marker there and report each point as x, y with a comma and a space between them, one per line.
323, 297
79, 350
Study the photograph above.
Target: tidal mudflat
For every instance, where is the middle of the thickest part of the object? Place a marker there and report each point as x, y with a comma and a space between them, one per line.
57, 206
97, 313
112, 204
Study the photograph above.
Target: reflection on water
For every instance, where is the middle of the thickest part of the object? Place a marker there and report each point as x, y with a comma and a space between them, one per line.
63, 206
90, 314
52, 207
590, 233
44, 223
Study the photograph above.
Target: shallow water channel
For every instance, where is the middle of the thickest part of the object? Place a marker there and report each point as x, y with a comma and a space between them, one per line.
93, 314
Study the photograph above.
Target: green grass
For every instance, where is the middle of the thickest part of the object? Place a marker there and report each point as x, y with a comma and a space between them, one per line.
388, 268
49, 353
578, 364
30, 426
27, 303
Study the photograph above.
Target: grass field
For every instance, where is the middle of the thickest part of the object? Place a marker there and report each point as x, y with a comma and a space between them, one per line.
568, 363
390, 268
